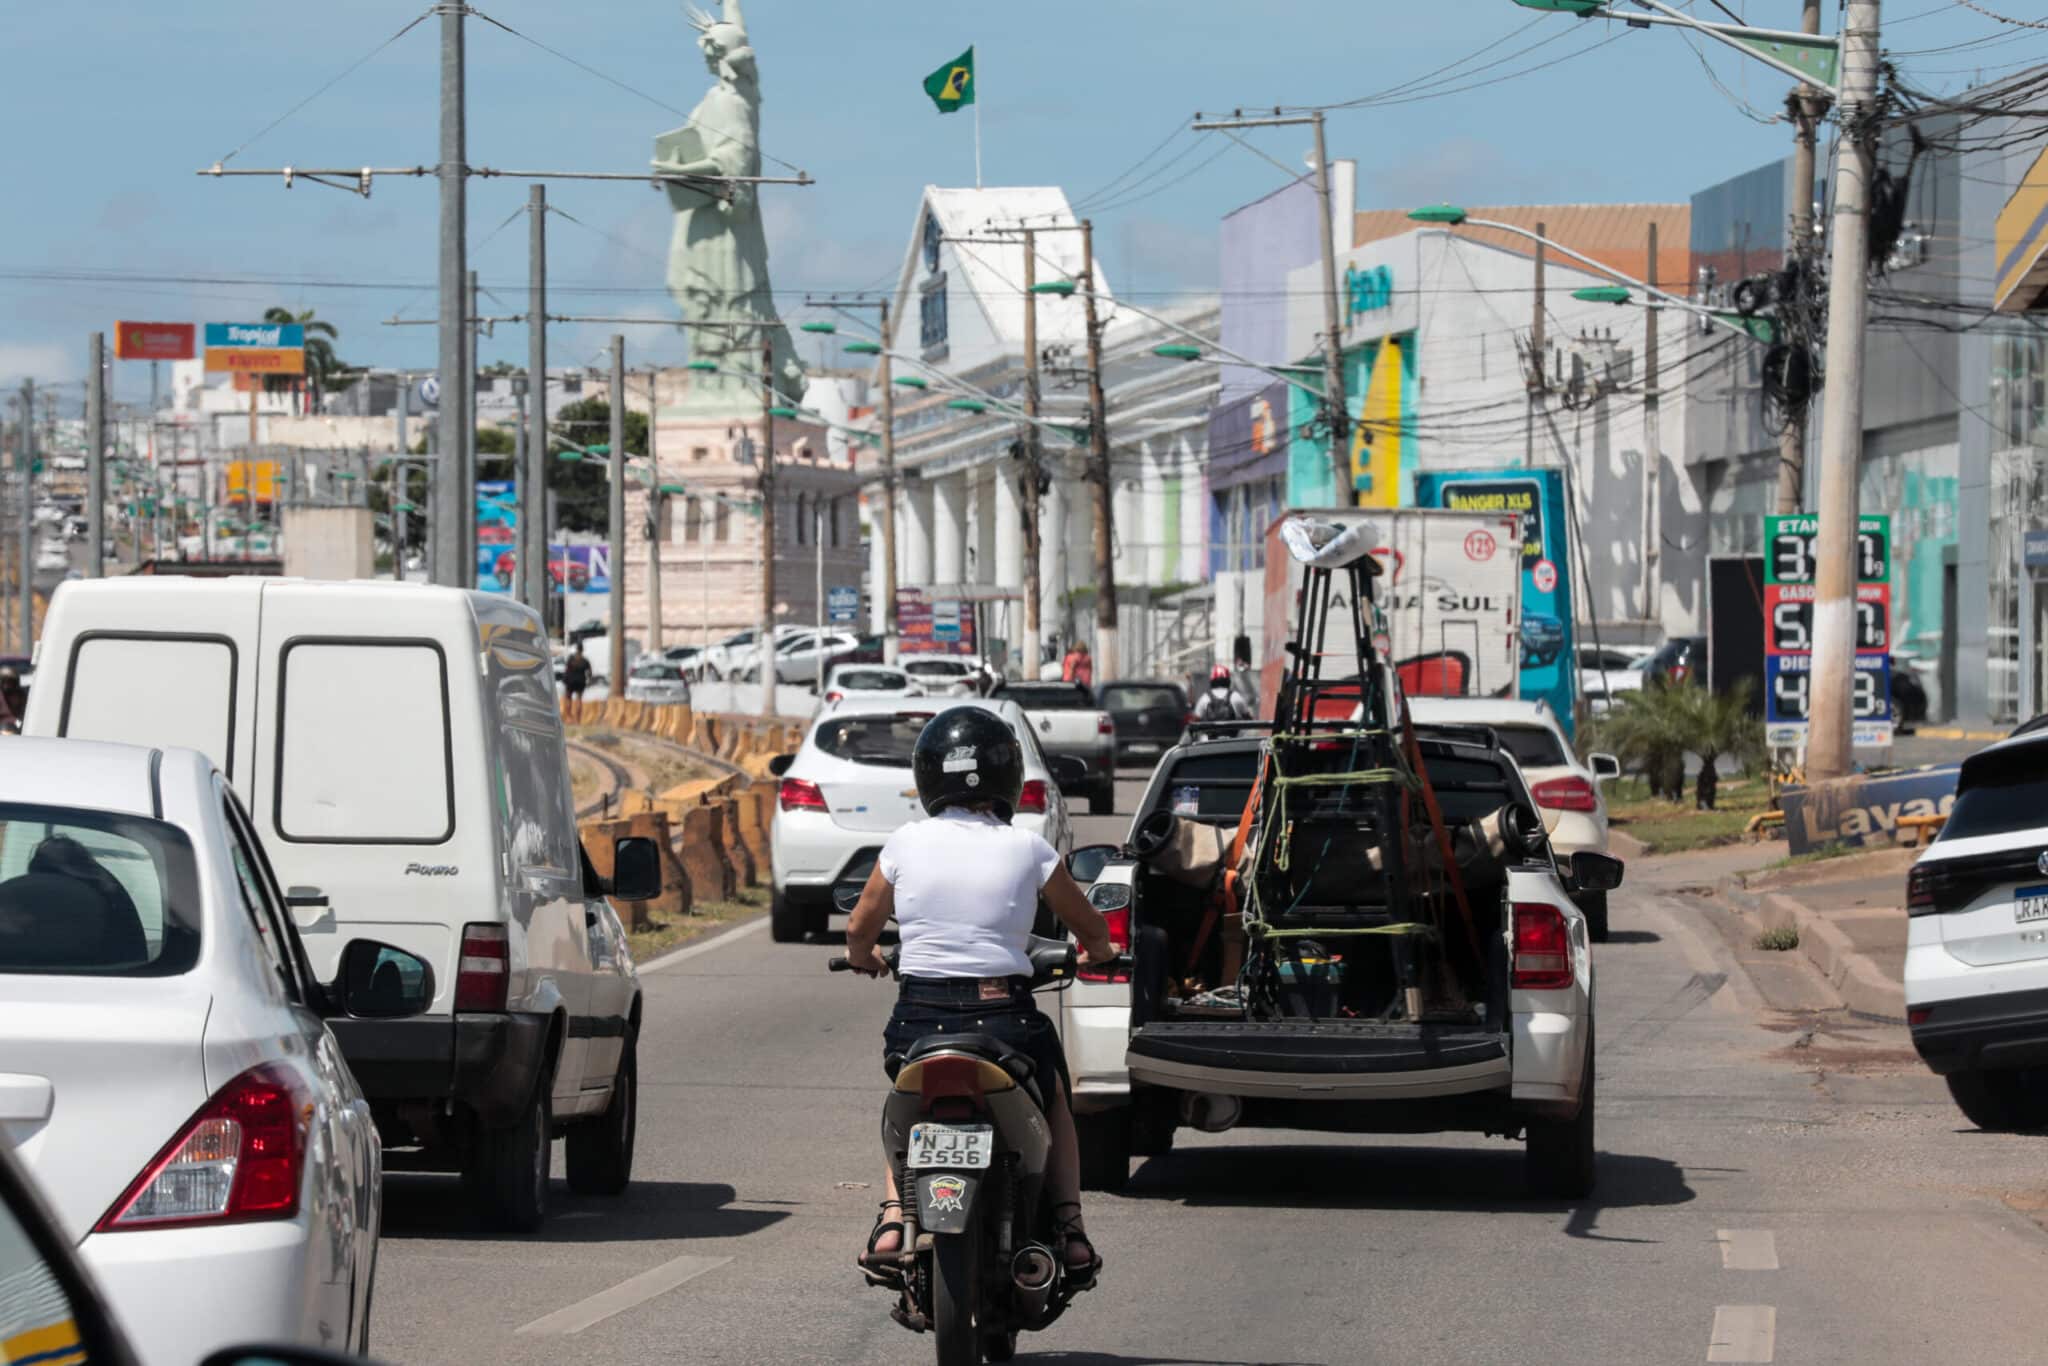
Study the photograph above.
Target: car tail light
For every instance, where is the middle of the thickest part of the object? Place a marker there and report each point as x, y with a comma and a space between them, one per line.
834, 696
1918, 1015
1543, 948
1032, 800
1104, 726
1566, 794
1680, 672
1920, 891
800, 794
484, 971
240, 1158
1119, 923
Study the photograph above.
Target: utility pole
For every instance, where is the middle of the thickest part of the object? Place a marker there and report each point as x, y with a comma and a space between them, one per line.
1829, 709
1107, 665
452, 421
1539, 369
26, 579
533, 515
656, 500
615, 518
766, 634
96, 458
1028, 480
465, 478
1653, 449
522, 477
1806, 105
887, 414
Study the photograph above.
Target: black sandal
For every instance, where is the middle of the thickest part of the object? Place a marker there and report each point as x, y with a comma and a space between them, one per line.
881, 1267
1081, 1275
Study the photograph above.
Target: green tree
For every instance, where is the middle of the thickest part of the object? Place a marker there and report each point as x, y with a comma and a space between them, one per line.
1653, 728
326, 373
581, 487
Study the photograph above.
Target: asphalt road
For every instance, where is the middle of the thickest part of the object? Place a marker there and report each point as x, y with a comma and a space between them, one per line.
1777, 1182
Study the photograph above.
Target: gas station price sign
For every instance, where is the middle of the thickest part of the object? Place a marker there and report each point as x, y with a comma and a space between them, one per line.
1792, 544
1791, 573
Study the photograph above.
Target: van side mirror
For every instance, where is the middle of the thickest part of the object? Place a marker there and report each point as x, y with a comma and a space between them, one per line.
779, 765
636, 869
1068, 771
379, 982
1087, 862
1604, 766
1593, 872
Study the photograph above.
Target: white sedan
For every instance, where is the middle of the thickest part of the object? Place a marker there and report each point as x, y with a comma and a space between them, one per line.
849, 786
165, 1070
868, 680
945, 675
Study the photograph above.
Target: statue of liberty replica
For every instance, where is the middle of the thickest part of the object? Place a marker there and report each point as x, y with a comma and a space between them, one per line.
718, 258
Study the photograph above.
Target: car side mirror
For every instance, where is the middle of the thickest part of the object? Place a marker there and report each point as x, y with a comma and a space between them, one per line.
1593, 872
379, 982
636, 869
1604, 766
779, 765
1087, 862
1522, 831
1068, 771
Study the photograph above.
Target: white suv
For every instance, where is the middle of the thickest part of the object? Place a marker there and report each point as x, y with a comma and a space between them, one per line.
1977, 939
849, 786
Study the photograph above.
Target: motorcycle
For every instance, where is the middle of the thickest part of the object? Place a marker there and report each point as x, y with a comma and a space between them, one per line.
964, 1129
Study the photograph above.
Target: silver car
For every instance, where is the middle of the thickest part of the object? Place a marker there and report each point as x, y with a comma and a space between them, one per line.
657, 680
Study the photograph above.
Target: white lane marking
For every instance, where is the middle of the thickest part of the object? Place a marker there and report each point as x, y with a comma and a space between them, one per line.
716, 941
1748, 1249
1744, 1332
625, 1295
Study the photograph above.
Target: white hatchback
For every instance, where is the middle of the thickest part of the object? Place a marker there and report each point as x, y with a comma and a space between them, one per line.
868, 680
849, 786
166, 1071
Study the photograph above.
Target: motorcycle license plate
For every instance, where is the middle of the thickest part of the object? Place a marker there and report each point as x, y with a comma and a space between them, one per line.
952, 1145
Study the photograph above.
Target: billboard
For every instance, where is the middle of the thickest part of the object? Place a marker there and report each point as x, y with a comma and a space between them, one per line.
256, 348
571, 568
933, 626
155, 341
1549, 670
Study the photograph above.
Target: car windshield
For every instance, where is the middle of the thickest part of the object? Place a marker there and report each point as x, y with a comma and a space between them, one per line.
1532, 746
885, 739
1140, 697
657, 669
1212, 784
1049, 696
91, 893
935, 668
2000, 794
870, 680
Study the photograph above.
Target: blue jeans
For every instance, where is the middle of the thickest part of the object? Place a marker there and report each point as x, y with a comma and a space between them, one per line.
956, 1005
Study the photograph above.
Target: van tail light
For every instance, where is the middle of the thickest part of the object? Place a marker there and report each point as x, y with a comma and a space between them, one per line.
484, 972
1032, 800
1566, 794
1543, 948
241, 1158
1104, 726
1119, 923
800, 794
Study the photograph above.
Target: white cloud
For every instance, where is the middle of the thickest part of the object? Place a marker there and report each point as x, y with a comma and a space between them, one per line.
44, 361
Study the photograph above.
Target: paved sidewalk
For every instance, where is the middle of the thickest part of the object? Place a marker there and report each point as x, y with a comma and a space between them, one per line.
1851, 919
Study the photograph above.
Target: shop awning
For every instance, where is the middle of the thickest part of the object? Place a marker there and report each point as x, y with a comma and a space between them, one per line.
2022, 244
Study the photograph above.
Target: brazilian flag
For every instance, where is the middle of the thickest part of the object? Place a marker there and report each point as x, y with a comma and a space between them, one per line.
952, 85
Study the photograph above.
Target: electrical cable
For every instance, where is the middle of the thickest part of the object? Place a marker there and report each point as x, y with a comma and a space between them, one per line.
353, 67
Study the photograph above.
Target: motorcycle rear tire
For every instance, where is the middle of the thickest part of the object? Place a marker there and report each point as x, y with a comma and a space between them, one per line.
956, 1296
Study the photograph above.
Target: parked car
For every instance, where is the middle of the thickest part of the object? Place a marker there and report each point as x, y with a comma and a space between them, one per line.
868, 680
1566, 792
1976, 971
1678, 659
737, 652
800, 657
946, 675
848, 786
1068, 722
1150, 717
1605, 672
52, 555
1146, 1061
173, 1085
685, 655
403, 751
657, 680
864, 650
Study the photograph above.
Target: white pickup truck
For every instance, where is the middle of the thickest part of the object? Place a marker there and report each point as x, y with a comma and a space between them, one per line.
1067, 722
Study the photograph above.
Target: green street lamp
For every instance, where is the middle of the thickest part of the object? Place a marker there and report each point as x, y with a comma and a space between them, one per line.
826, 328
967, 405
913, 381
408, 507
569, 457
1602, 294
703, 367
1063, 288
1581, 8
1450, 215
863, 348
783, 412
671, 490
1174, 351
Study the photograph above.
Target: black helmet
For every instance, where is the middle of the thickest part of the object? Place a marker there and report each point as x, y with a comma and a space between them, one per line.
967, 755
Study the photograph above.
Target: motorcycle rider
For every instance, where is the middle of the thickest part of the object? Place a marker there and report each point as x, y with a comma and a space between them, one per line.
963, 888
1222, 702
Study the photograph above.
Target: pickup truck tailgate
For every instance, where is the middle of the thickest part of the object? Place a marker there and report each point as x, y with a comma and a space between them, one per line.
1329, 1059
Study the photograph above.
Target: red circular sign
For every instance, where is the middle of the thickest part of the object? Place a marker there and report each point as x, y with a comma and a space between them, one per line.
1545, 575
1480, 545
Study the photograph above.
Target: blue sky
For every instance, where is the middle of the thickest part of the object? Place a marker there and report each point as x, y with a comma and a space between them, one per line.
111, 107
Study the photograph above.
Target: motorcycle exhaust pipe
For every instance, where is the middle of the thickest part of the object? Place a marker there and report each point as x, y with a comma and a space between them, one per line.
1033, 1268
1210, 1113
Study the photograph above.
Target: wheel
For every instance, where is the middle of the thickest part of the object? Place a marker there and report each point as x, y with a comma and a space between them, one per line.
1105, 1149
1102, 798
787, 923
1996, 1101
508, 1171
1558, 1161
600, 1151
956, 1296
999, 1346
1594, 904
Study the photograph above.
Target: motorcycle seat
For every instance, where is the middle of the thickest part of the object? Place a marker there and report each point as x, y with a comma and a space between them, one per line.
1014, 1061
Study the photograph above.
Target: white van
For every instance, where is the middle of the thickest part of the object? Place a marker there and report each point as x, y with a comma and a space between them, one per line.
401, 753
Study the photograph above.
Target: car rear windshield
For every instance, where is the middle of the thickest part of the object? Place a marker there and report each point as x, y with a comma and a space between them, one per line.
1049, 697
2000, 794
948, 667
1212, 784
870, 680
1532, 746
94, 894
885, 739
657, 669
1138, 698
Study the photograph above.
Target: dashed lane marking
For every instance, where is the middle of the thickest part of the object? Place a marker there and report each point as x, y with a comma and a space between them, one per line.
626, 1294
1748, 1249
716, 941
1744, 1332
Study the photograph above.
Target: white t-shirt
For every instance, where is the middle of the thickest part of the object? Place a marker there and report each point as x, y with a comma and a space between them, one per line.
967, 890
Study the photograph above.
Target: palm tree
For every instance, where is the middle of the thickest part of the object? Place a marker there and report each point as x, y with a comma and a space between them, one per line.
325, 371
1656, 726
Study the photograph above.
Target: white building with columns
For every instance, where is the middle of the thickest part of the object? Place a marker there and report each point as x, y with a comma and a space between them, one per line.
959, 310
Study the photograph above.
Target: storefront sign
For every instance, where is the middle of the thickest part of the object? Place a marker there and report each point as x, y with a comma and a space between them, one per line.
154, 341
256, 348
1864, 810
1368, 291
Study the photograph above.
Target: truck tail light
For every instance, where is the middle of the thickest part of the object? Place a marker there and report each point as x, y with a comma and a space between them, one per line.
1543, 948
483, 974
240, 1158
1104, 726
1119, 923
1032, 800
800, 794
1566, 794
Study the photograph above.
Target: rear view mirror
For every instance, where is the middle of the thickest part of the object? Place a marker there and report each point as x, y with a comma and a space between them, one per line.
1604, 766
379, 982
1068, 771
1087, 862
636, 869
1522, 830
779, 765
1595, 872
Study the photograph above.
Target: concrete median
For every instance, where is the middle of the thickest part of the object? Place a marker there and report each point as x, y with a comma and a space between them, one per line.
703, 853
745, 871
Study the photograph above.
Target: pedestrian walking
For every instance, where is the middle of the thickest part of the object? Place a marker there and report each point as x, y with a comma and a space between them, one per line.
1077, 667
575, 678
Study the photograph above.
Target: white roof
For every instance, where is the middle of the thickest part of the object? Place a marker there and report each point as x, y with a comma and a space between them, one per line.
992, 273
87, 775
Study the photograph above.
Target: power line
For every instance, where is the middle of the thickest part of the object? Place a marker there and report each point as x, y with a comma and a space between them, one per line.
355, 66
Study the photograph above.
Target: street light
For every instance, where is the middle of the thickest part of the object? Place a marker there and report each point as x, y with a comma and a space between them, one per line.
1175, 351
790, 414
913, 382
1064, 288
1602, 294
826, 328
863, 348
967, 405
703, 367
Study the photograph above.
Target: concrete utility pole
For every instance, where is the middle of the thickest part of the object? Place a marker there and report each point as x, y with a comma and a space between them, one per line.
444, 504
1034, 461
1653, 445
1830, 714
96, 458
1107, 659
655, 501
522, 478
1806, 105
1539, 369
765, 636
615, 513
891, 638
25, 569
533, 514
465, 479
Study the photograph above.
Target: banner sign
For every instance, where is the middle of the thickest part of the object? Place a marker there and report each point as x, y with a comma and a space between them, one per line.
1860, 810
256, 348
944, 626
571, 568
1791, 571
155, 341
842, 605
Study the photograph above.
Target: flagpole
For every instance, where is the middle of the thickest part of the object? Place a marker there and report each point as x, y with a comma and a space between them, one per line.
976, 79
